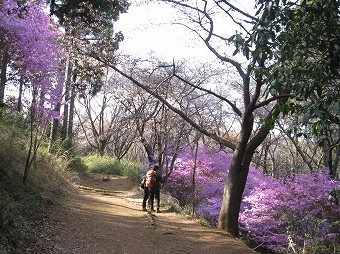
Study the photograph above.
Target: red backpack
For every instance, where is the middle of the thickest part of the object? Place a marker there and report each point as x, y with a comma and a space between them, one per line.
150, 178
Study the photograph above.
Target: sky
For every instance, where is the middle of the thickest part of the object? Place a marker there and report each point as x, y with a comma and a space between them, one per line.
148, 28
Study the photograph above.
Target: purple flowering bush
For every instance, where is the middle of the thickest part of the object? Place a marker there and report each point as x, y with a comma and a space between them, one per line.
293, 212
209, 175
278, 214
33, 43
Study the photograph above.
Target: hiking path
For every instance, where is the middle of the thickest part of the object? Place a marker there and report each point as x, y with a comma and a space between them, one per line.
104, 216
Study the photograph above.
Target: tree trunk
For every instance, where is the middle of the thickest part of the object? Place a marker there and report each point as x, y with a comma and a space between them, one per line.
331, 151
68, 74
3, 75
193, 191
169, 169
327, 153
71, 113
236, 179
34, 144
63, 131
54, 132
232, 194
21, 86
72, 101
29, 160
238, 172
265, 159
101, 149
335, 174
149, 150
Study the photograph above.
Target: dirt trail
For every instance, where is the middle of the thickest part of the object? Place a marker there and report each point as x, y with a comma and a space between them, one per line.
106, 217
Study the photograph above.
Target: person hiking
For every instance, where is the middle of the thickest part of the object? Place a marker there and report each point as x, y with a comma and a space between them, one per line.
146, 189
154, 190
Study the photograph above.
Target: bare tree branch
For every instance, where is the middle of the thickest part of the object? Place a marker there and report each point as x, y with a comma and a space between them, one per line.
153, 92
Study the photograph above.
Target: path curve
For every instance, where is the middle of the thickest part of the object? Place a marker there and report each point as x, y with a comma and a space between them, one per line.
104, 217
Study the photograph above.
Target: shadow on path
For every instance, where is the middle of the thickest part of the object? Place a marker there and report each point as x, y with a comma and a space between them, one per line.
90, 222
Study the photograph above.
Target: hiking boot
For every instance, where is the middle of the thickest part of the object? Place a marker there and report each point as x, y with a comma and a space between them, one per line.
144, 209
158, 211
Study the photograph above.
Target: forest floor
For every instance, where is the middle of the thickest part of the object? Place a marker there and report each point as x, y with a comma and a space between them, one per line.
104, 216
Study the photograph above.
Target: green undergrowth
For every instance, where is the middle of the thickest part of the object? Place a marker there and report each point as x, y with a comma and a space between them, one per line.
24, 205
106, 165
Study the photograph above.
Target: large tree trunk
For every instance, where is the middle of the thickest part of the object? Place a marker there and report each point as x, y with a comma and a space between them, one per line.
236, 179
265, 159
63, 131
149, 151
331, 151
232, 194
238, 172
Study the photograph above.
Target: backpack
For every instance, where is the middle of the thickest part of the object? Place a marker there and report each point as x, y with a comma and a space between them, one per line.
150, 178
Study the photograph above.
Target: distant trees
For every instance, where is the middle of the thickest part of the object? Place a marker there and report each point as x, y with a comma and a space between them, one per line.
105, 122
283, 153
101, 131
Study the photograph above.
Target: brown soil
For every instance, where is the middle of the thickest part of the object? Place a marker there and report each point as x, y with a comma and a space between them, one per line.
104, 216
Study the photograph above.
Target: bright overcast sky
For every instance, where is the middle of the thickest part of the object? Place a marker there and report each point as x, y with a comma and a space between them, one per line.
148, 28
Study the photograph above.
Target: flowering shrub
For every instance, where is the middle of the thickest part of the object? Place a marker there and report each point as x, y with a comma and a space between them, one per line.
293, 212
210, 173
33, 43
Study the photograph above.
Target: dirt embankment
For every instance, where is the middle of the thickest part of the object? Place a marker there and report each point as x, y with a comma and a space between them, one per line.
104, 216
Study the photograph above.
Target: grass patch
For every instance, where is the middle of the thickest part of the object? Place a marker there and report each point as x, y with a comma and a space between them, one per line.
102, 164
107, 165
22, 206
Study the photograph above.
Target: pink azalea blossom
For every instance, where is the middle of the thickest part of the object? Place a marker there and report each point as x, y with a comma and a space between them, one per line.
273, 210
35, 49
